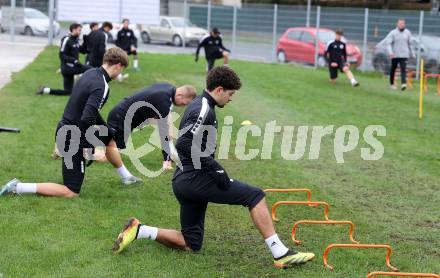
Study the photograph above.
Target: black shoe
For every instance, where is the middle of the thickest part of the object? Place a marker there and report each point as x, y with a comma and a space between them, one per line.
40, 90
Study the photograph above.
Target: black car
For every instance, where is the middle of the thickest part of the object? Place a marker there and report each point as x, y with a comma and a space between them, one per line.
430, 52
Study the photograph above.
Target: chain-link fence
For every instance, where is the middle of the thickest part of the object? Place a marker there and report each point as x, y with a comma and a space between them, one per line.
259, 32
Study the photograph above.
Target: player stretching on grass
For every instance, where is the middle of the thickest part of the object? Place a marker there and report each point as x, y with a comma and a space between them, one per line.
214, 49
89, 95
336, 54
161, 97
70, 63
202, 180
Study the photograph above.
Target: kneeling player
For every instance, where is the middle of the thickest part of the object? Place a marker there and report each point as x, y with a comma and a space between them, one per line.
336, 55
202, 180
80, 116
155, 102
70, 64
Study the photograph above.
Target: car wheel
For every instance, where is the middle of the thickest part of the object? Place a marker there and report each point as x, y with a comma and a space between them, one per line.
281, 57
381, 63
28, 31
145, 37
177, 40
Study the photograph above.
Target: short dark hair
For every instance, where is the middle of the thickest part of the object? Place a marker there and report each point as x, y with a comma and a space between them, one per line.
339, 32
74, 26
114, 56
107, 24
125, 19
222, 77
93, 24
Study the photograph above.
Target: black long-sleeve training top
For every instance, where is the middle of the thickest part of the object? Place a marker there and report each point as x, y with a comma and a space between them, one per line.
337, 51
211, 45
159, 96
96, 45
198, 129
69, 51
126, 39
89, 95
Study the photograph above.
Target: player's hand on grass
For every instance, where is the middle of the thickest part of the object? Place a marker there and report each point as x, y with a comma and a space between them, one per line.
133, 49
167, 165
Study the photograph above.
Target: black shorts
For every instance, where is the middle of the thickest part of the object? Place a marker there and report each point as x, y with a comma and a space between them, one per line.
73, 175
115, 121
334, 70
195, 189
216, 55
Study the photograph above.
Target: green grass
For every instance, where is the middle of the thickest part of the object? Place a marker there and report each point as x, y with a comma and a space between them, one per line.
393, 200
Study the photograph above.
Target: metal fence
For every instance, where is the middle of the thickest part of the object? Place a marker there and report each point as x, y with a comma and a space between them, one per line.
254, 31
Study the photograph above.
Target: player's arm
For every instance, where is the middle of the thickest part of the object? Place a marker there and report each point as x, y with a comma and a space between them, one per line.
411, 53
118, 39
84, 46
134, 41
90, 115
200, 45
66, 52
344, 54
222, 46
389, 43
101, 44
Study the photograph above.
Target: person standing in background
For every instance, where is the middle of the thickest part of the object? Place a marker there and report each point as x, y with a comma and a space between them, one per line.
398, 43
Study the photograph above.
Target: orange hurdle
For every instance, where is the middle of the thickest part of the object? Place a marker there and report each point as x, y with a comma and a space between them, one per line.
326, 222
277, 204
425, 82
283, 190
381, 273
381, 246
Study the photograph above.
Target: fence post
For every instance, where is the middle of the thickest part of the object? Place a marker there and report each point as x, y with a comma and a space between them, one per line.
51, 19
12, 23
422, 14
234, 28
309, 8
274, 35
185, 6
318, 21
208, 19
364, 45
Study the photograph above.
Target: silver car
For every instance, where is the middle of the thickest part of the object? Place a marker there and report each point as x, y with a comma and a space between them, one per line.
171, 30
30, 22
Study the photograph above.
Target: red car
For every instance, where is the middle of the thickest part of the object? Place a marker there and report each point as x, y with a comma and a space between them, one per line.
298, 44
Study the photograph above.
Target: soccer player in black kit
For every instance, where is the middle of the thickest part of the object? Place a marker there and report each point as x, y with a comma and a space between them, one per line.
75, 132
70, 63
97, 42
214, 49
201, 180
336, 54
155, 102
128, 42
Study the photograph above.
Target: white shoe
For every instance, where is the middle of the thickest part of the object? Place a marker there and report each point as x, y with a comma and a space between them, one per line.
393, 87
131, 180
10, 187
403, 87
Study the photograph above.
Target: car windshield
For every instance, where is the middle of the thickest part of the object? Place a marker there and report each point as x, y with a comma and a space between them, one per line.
326, 36
179, 23
35, 14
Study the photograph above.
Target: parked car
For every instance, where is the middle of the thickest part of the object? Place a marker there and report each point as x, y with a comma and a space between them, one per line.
35, 23
170, 30
298, 45
429, 51
113, 34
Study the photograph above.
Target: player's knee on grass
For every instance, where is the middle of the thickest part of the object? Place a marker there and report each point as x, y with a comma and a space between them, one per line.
193, 237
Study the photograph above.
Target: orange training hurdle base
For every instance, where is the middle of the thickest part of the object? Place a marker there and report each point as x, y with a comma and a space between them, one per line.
277, 204
406, 274
326, 222
382, 246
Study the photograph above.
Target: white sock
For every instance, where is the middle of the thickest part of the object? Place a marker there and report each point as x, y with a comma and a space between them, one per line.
353, 81
46, 90
226, 65
26, 188
120, 77
147, 232
123, 172
275, 245
135, 63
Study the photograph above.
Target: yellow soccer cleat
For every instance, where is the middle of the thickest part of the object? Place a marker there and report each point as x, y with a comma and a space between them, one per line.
293, 258
127, 236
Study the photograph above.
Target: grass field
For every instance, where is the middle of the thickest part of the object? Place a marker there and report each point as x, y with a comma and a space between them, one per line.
393, 200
